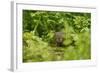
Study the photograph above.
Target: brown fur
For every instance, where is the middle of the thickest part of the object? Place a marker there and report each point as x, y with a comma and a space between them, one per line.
59, 38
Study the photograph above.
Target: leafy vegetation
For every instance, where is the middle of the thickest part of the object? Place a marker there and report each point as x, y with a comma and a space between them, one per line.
40, 42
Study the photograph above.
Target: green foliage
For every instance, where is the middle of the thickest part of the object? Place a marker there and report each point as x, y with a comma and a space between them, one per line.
39, 42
